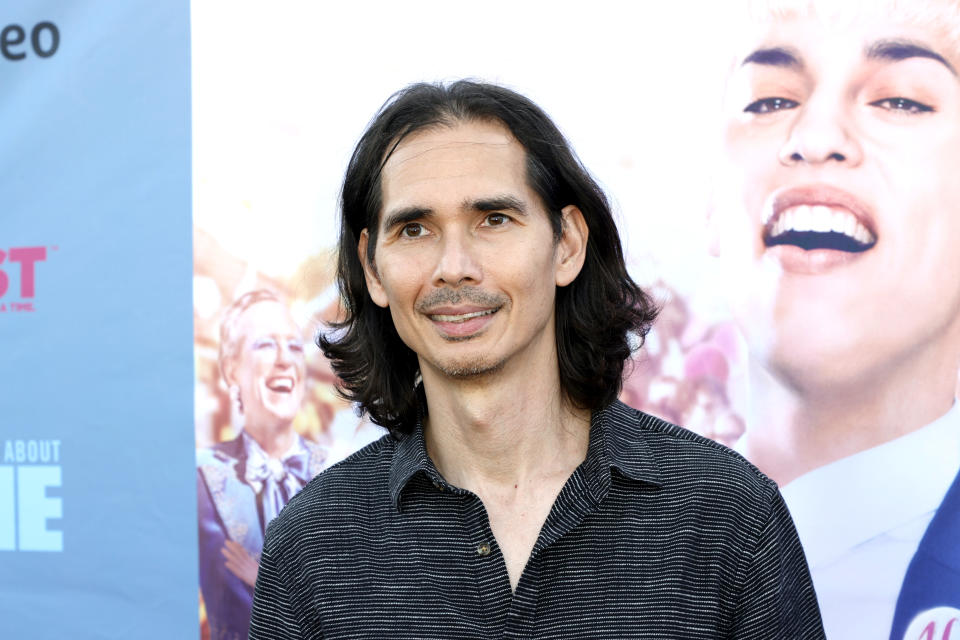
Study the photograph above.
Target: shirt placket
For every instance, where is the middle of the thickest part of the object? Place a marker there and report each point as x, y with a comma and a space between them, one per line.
490, 570
523, 604
515, 612
573, 504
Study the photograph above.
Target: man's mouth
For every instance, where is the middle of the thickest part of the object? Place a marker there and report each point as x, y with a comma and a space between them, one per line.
281, 384
819, 226
462, 313
458, 318
819, 217
462, 323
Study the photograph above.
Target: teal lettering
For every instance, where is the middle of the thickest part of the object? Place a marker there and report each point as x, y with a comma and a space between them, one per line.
36, 508
31, 451
8, 541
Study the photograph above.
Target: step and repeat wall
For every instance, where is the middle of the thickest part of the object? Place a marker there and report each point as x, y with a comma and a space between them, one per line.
97, 515
169, 189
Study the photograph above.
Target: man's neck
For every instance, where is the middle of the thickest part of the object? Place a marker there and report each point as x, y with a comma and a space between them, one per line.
512, 440
275, 440
792, 432
503, 430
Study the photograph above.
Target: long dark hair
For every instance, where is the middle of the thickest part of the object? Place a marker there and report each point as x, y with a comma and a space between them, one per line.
600, 317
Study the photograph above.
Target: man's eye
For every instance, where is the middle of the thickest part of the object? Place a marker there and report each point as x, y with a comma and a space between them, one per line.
412, 230
496, 219
264, 343
295, 345
905, 105
769, 105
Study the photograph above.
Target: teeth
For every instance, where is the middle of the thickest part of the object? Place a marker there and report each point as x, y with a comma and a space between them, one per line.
821, 219
849, 226
280, 384
862, 235
462, 317
838, 221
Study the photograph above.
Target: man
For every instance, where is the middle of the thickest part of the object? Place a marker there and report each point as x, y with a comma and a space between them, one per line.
489, 318
243, 483
839, 215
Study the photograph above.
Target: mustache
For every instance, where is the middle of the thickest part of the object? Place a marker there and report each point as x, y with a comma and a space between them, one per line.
470, 294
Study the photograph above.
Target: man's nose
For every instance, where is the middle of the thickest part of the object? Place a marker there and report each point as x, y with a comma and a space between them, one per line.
823, 131
285, 353
457, 262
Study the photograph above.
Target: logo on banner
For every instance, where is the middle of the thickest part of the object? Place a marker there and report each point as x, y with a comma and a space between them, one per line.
939, 623
29, 470
18, 277
44, 41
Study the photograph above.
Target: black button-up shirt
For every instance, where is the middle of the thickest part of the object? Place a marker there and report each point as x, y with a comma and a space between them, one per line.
659, 533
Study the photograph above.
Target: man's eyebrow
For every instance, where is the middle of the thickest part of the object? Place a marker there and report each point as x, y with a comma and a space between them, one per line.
497, 203
774, 57
404, 215
895, 50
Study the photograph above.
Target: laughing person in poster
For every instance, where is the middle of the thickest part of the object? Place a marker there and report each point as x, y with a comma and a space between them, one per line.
243, 483
489, 317
839, 216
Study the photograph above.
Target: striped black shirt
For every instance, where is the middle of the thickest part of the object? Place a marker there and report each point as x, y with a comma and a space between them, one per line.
659, 533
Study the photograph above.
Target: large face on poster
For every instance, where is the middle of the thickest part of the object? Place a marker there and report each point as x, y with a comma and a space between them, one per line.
807, 270
837, 219
837, 201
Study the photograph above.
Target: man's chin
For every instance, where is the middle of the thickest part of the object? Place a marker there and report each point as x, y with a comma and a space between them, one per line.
470, 369
284, 413
815, 370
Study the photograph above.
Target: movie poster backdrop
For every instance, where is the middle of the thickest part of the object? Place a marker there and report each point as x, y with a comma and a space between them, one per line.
644, 114
641, 97
121, 516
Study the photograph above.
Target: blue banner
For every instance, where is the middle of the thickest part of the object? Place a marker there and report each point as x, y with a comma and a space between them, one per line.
97, 510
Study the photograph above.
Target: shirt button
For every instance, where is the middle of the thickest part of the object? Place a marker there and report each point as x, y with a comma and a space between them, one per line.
483, 549
437, 485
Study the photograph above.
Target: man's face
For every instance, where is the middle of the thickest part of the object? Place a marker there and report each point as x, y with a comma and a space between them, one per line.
465, 255
270, 366
838, 211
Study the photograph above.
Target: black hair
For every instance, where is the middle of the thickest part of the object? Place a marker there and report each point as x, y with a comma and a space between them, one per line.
600, 317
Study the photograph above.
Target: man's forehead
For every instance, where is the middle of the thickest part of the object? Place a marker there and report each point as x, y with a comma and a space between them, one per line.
266, 316
838, 10
464, 162
789, 32
447, 142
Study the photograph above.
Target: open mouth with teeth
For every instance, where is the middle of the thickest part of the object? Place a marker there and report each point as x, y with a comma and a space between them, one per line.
460, 318
812, 227
280, 384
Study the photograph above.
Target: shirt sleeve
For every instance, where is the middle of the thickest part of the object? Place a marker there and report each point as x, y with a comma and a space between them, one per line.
777, 598
275, 610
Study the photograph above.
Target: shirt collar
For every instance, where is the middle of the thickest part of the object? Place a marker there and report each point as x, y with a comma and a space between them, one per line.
874, 491
621, 429
254, 451
615, 442
410, 458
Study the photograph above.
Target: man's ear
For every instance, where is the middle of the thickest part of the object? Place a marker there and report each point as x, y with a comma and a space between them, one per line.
377, 293
572, 246
229, 371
